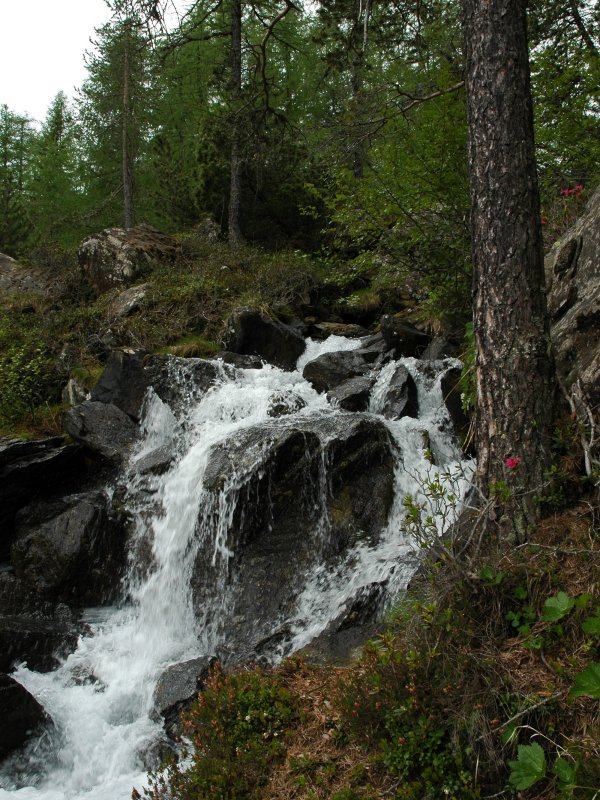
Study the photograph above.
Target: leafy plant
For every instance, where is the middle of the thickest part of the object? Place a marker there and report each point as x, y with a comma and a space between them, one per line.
557, 607
587, 683
529, 768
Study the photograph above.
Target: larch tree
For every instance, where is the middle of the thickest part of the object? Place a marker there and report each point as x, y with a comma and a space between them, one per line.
515, 378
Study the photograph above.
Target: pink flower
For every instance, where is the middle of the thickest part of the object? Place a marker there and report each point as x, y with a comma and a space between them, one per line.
512, 462
579, 188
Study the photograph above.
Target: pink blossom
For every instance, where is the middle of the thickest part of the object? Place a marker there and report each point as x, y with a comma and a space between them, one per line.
512, 462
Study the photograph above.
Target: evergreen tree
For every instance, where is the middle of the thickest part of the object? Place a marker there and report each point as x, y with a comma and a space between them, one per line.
56, 193
16, 136
114, 108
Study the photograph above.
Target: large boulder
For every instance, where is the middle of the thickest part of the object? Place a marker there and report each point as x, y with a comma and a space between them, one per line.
102, 428
573, 281
22, 716
119, 257
32, 469
177, 689
331, 369
70, 550
299, 494
130, 373
251, 333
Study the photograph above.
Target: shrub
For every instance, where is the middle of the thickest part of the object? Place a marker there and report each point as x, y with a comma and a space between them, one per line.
236, 731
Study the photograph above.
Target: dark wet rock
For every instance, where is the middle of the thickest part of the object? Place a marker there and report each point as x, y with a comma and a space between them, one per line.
573, 281
31, 469
285, 403
240, 361
119, 257
33, 629
70, 550
124, 382
341, 641
40, 642
157, 753
402, 337
174, 379
177, 689
102, 428
249, 332
331, 369
401, 398
353, 394
325, 329
156, 462
279, 493
451, 392
21, 714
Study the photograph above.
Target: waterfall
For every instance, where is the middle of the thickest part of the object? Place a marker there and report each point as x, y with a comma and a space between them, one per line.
101, 697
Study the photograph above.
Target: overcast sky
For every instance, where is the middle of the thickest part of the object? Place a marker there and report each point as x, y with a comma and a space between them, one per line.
41, 50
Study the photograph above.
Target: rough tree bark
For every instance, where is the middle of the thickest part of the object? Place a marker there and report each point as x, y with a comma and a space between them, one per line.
514, 366
235, 184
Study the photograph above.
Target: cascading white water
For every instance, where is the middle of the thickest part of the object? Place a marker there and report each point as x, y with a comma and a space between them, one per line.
101, 697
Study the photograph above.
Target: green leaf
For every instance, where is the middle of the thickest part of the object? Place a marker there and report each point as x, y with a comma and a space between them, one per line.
529, 768
556, 608
565, 771
587, 682
592, 624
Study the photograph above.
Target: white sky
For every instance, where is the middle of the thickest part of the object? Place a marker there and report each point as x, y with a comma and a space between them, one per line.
41, 50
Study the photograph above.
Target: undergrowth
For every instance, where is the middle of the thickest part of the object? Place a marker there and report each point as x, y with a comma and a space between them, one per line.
477, 687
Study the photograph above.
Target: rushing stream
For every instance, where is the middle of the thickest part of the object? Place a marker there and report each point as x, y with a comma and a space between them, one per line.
101, 698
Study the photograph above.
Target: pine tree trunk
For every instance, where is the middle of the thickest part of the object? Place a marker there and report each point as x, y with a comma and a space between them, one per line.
127, 171
235, 160
514, 367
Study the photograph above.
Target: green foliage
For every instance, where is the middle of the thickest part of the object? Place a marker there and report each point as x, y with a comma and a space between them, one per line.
238, 730
27, 379
591, 626
557, 607
587, 683
529, 768
387, 701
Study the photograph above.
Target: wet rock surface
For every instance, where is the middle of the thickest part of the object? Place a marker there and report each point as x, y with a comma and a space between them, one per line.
70, 550
331, 369
353, 394
177, 689
22, 716
32, 469
101, 428
274, 535
401, 397
32, 628
248, 332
